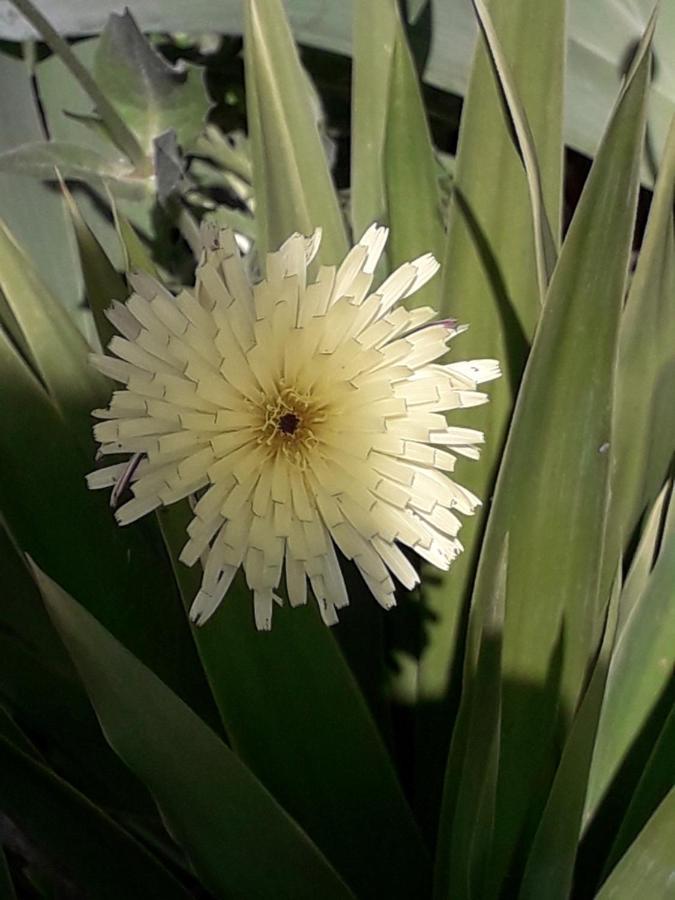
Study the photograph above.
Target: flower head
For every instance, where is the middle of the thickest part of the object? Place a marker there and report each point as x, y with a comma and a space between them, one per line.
299, 416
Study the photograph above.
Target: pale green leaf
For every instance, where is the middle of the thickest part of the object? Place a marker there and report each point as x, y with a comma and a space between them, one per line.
489, 282
150, 95
410, 172
544, 241
58, 351
293, 187
117, 129
374, 31
644, 432
40, 159
553, 487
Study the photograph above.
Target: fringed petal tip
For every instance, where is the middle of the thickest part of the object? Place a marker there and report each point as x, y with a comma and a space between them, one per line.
298, 417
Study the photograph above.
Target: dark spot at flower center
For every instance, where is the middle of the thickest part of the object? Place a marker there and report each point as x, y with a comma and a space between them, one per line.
288, 423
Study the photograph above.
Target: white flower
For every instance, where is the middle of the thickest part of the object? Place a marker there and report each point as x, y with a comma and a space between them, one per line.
300, 416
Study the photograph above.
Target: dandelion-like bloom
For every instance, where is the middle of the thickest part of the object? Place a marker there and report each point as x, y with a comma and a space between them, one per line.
299, 416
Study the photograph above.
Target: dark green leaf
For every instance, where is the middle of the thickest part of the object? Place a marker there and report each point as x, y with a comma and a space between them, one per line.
550, 865
78, 838
329, 768
646, 870
240, 841
467, 817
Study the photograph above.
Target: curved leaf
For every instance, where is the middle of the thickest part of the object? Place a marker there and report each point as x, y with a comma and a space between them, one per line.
240, 841
76, 836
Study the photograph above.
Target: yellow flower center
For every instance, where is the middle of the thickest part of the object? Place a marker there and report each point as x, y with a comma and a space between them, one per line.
290, 420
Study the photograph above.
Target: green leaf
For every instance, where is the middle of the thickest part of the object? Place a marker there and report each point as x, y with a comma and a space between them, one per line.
32, 210
550, 865
644, 432
150, 95
102, 282
489, 282
544, 241
331, 770
644, 556
58, 350
117, 129
40, 159
293, 187
136, 256
467, 818
70, 531
77, 836
555, 474
655, 782
640, 671
374, 33
646, 870
7, 891
411, 183
239, 840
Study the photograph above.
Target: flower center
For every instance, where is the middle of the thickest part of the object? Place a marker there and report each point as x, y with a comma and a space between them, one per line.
290, 420
288, 423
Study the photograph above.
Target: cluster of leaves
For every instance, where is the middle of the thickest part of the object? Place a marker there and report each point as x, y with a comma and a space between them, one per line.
529, 712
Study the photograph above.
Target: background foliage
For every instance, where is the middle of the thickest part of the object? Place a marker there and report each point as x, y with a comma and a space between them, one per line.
508, 730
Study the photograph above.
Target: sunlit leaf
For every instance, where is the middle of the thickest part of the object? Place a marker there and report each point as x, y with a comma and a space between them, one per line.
150, 95
293, 187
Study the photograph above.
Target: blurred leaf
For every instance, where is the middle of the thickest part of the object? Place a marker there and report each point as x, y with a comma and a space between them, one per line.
641, 669
374, 33
70, 531
467, 819
76, 836
169, 165
7, 891
117, 129
646, 870
58, 350
555, 473
150, 95
102, 282
52, 706
489, 281
41, 158
34, 210
550, 864
645, 427
330, 771
239, 840
293, 187
544, 241
14, 735
411, 183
